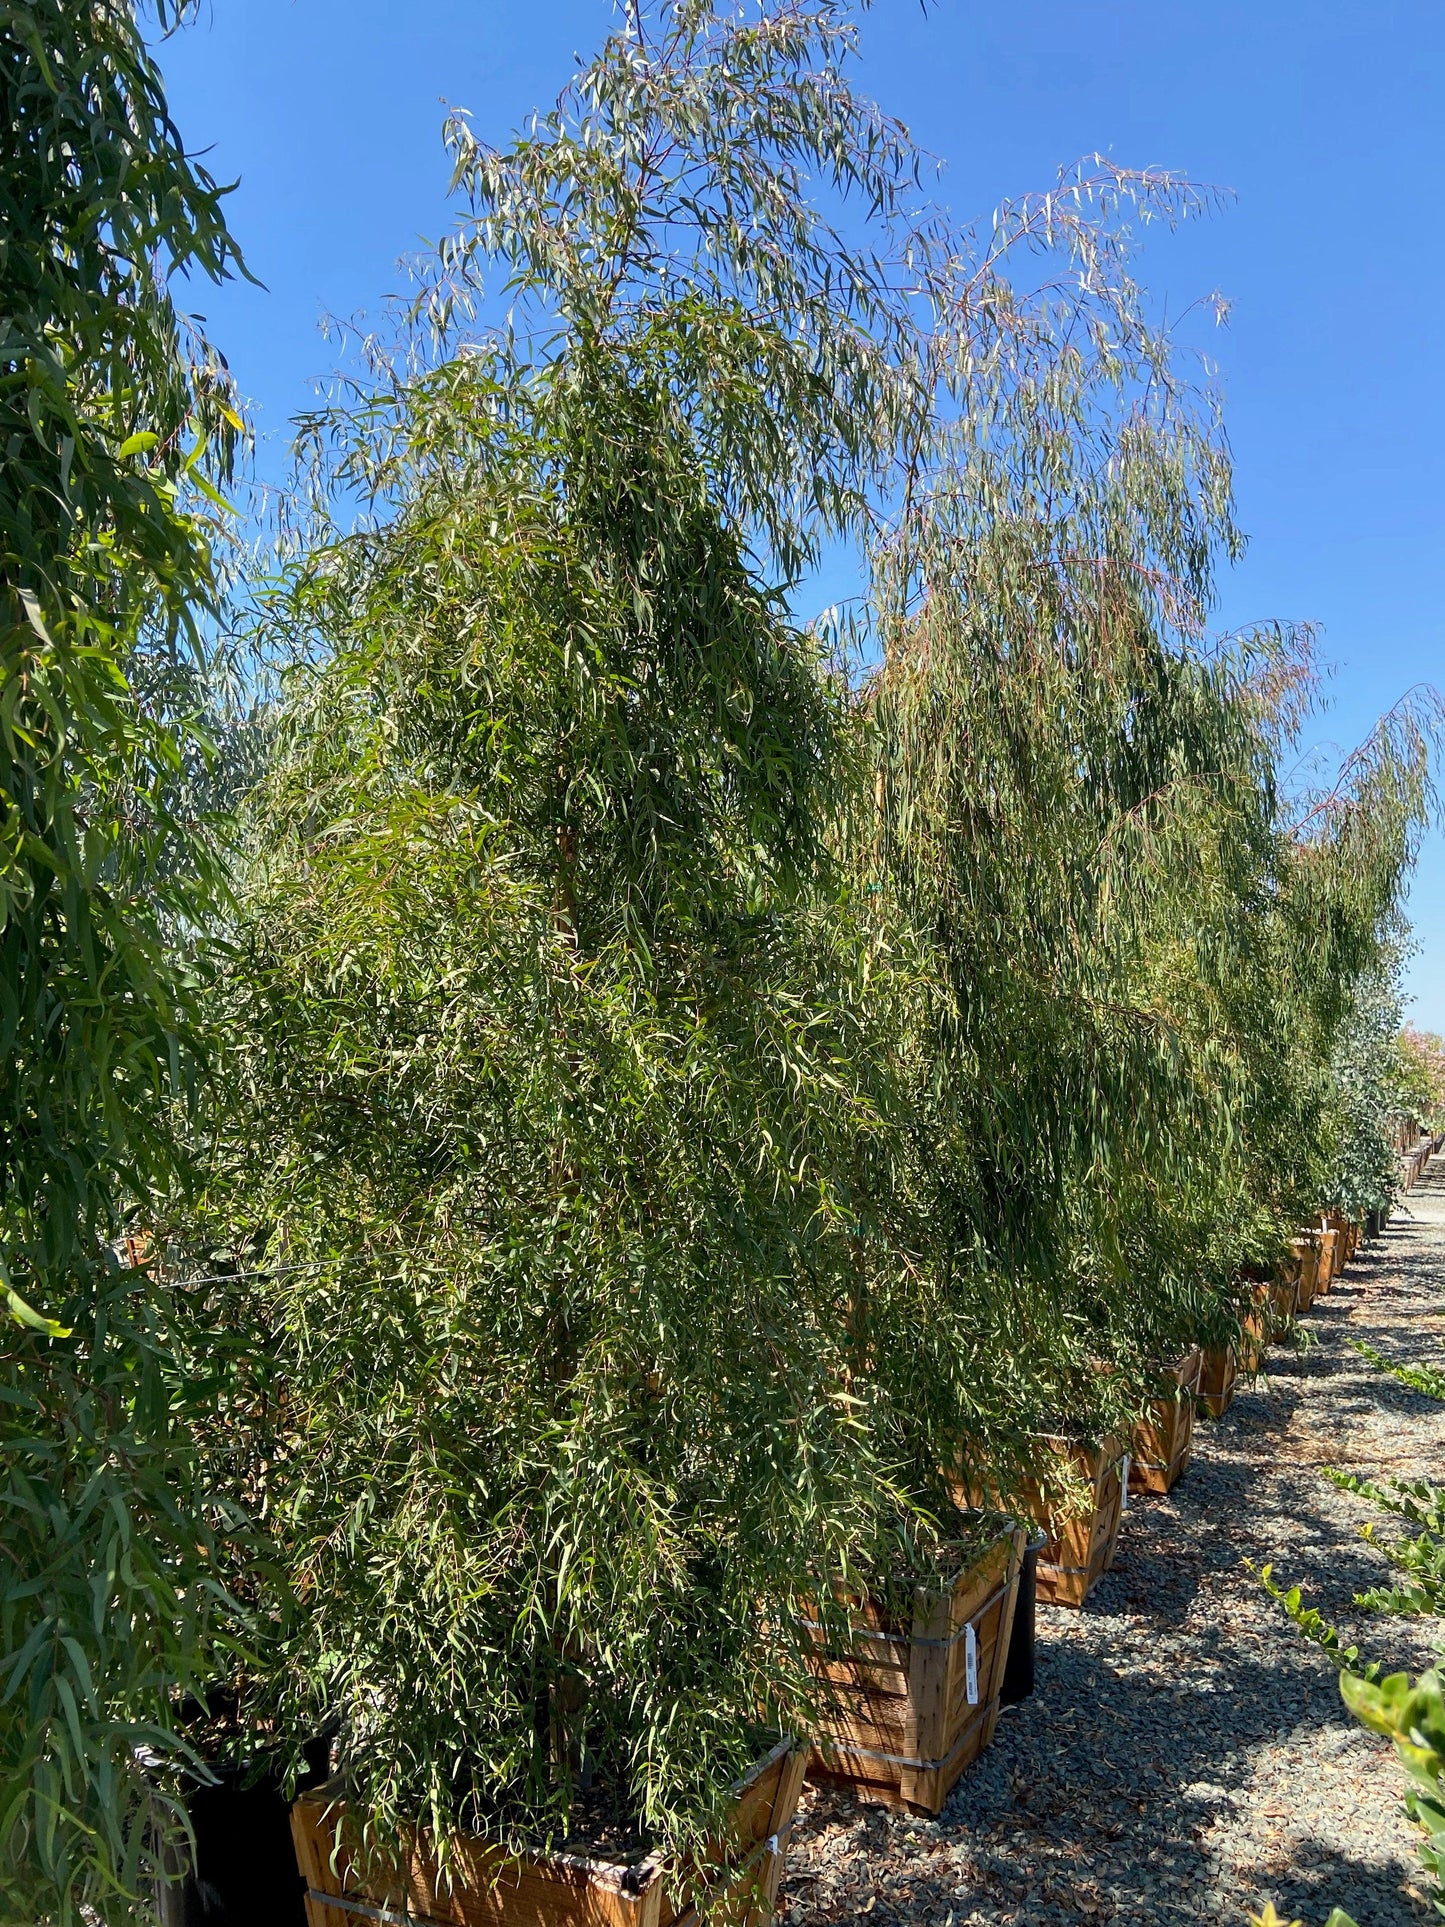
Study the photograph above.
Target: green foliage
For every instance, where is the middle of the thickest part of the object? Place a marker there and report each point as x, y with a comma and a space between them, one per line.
552, 1106
571, 1117
1269, 1918
1311, 1625
116, 424
689, 1110
689, 201
1420, 1378
1366, 1096
1420, 1075
1422, 1558
1412, 1714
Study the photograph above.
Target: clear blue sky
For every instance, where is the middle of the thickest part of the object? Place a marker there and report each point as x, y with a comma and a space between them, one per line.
1321, 115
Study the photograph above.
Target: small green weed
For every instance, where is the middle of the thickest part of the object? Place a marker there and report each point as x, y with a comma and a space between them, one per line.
1421, 1558
1419, 1378
1312, 1625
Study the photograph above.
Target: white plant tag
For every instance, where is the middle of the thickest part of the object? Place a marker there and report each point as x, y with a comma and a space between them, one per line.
1124, 1483
970, 1664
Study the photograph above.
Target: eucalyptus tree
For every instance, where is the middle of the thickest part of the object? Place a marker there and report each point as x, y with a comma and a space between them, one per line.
1350, 846
1131, 1011
116, 423
571, 1105
1067, 780
553, 1091
1278, 986
1420, 1075
676, 1105
558, 1107
1369, 1081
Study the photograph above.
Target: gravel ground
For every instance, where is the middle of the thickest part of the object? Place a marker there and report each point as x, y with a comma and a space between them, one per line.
1185, 1755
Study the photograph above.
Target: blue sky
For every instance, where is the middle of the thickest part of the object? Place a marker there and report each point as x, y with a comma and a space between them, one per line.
1321, 116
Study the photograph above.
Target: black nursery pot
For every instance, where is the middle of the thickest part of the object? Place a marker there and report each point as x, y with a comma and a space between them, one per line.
1018, 1672
244, 1873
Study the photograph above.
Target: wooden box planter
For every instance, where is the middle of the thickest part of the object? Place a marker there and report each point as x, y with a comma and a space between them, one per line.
1256, 1334
1159, 1445
1328, 1239
1216, 1380
1347, 1239
912, 1708
1286, 1290
491, 1889
1080, 1550
1307, 1253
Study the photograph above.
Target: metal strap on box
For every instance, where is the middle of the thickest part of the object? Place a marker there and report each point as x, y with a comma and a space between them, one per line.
344, 1904
898, 1759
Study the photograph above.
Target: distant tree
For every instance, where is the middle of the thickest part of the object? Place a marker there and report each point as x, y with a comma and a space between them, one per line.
1423, 1066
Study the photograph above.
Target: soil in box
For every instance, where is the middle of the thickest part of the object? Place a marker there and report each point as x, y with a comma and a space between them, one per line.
1216, 1380
489, 1889
1159, 1448
1081, 1548
910, 1707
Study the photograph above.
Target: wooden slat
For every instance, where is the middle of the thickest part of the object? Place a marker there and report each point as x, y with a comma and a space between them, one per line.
1216, 1381
490, 1889
1160, 1445
929, 1734
1081, 1550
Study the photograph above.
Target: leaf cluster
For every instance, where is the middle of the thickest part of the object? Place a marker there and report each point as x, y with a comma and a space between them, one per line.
695, 1113
116, 422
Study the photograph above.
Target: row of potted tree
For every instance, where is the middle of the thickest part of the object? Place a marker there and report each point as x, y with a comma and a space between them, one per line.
630, 1164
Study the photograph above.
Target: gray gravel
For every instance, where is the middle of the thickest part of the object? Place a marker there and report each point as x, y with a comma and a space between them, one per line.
1185, 1754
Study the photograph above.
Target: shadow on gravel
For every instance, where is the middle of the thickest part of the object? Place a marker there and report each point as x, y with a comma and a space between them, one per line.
1186, 1756
1315, 1880
1124, 1777
1380, 1392
1101, 1796
1315, 1361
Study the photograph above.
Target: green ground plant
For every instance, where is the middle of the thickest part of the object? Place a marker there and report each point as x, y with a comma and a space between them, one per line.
1427, 1379
1412, 1714
1421, 1558
1268, 1917
1405, 1710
